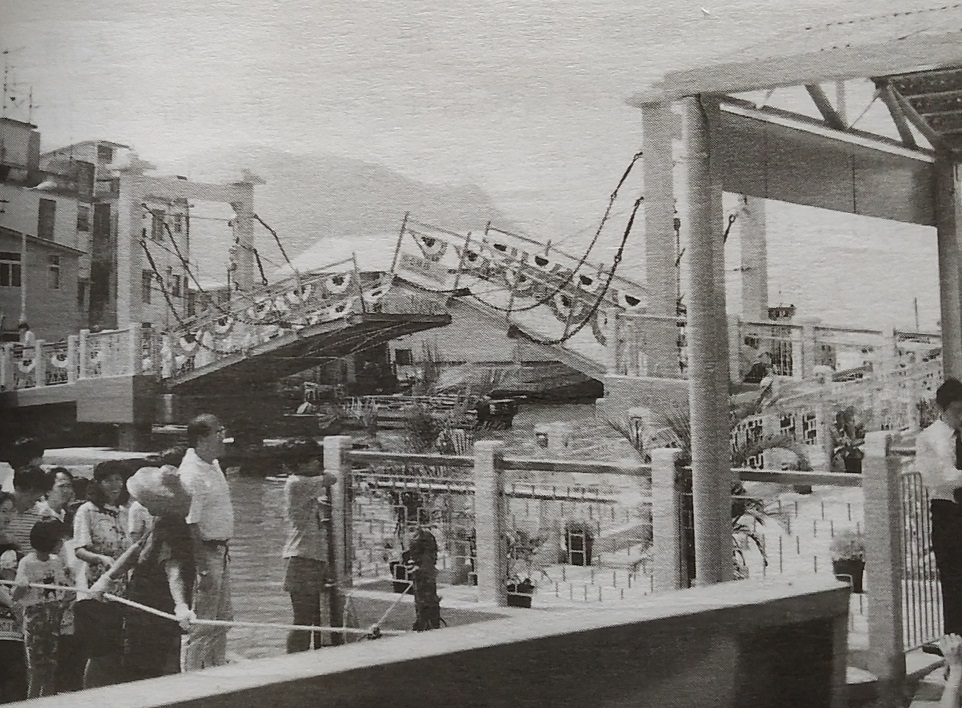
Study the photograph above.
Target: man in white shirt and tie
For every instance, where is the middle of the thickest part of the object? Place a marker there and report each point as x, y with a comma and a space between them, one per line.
937, 457
211, 524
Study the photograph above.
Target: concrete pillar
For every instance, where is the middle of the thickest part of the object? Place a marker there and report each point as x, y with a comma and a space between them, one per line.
665, 521
72, 343
632, 350
883, 563
336, 462
805, 364
39, 364
948, 226
130, 258
489, 523
735, 350
659, 125
6, 367
612, 337
754, 256
83, 353
707, 348
244, 276
134, 351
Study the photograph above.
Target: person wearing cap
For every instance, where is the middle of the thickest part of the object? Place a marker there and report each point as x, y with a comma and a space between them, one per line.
211, 523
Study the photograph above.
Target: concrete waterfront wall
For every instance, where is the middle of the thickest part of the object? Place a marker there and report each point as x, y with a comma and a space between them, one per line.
747, 644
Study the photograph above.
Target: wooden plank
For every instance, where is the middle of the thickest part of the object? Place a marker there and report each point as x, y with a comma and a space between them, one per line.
825, 107
917, 53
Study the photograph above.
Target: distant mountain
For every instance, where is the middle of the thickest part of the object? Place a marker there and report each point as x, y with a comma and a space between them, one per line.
316, 196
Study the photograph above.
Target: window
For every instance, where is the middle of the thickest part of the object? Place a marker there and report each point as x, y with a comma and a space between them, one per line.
105, 153
178, 223
53, 272
157, 224
402, 357
46, 218
82, 287
146, 285
9, 269
175, 286
83, 218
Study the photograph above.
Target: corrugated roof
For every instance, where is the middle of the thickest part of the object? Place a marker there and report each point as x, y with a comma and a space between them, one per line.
910, 40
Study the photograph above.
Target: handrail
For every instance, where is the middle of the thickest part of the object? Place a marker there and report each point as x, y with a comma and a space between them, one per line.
410, 458
829, 479
571, 466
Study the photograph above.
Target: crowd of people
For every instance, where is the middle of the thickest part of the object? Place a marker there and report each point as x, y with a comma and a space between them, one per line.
79, 558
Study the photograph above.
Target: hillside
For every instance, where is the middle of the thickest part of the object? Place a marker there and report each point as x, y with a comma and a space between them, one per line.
310, 197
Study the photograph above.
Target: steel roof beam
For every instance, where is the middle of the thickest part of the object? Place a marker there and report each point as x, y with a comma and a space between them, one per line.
898, 115
825, 107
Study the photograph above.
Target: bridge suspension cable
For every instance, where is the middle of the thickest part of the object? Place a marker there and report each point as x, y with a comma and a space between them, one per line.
584, 257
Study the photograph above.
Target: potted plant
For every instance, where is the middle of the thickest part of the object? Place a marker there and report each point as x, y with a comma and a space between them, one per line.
579, 539
848, 436
521, 549
848, 557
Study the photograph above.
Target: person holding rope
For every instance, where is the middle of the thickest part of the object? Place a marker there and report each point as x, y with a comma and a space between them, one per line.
42, 609
306, 550
162, 572
100, 537
211, 523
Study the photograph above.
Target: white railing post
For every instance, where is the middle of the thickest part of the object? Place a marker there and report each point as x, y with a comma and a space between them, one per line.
809, 349
134, 355
883, 562
612, 336
665, 521
735, 350
337, 463
72, 359
489, 523
82, 353
39, 364
7, 377
631, 346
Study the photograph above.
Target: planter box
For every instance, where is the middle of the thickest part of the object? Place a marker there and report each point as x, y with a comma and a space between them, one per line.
401, 583
520, 596
578, 548
850, 571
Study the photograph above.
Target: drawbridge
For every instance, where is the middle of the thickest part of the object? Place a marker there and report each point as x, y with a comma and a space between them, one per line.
564, 304
237, 341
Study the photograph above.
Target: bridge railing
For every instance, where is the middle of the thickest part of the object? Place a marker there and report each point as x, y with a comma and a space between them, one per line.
581, 531
87, 355
775, 530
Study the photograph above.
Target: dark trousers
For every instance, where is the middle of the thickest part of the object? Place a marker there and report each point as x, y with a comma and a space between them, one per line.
947, 546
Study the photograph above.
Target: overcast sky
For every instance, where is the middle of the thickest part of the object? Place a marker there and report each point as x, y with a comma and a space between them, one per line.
526, 99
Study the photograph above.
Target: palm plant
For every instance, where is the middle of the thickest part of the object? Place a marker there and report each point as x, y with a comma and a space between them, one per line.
671, 427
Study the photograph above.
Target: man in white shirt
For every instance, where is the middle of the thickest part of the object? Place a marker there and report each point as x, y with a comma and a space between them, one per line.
211, 523
937, 457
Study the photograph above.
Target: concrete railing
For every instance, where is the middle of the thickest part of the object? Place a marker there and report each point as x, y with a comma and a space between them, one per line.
794, 350
728, 645
86, 355
892, 516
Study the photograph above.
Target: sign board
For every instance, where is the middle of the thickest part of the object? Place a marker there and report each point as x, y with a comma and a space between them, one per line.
423, 267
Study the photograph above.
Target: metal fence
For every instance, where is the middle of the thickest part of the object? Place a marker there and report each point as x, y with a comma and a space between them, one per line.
580, 532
